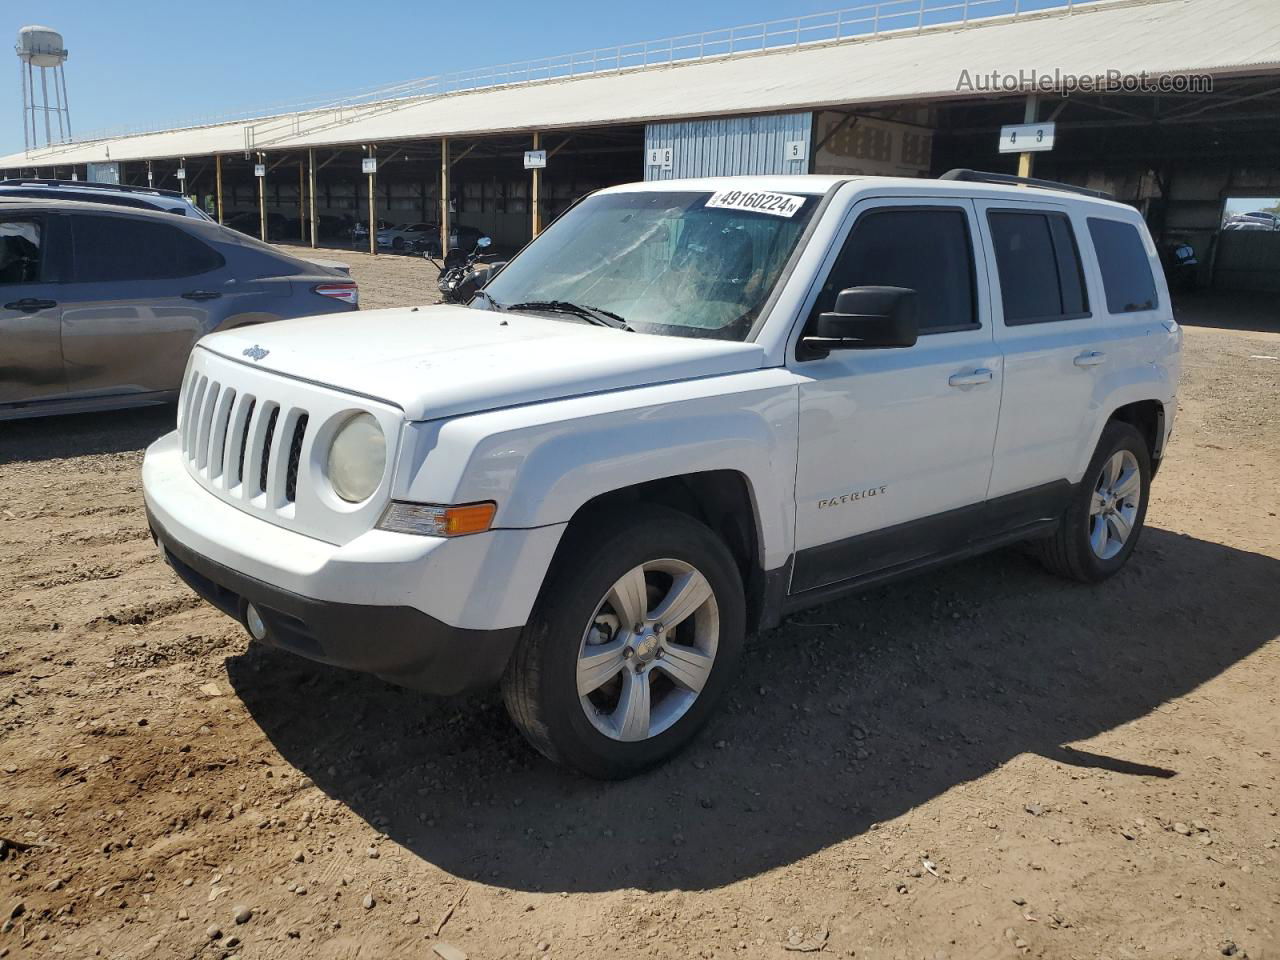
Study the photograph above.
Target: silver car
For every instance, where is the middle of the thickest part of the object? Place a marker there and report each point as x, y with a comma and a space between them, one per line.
100, 305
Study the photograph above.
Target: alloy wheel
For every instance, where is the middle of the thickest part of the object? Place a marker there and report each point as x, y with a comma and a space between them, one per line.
648, 650
1113, 508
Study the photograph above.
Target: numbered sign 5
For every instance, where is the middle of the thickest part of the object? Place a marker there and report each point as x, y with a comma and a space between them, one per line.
796, 150
1026, 138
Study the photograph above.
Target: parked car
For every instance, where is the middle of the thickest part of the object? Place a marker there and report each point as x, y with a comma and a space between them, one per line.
100, 306
360, 231
461, 237
685, 410
403, 235
249, 222
333, 227
142, 198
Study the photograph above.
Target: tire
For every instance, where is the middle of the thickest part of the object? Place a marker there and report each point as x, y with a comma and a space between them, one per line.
586, 591
397, 243
1073, 549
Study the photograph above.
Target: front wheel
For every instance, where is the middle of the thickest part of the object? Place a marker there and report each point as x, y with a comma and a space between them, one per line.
1100, 529
631, 645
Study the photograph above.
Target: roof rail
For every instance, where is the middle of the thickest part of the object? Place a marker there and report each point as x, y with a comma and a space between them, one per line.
978, 176
89, 185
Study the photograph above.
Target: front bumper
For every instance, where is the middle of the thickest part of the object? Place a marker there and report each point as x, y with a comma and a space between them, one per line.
397, 643
435, 614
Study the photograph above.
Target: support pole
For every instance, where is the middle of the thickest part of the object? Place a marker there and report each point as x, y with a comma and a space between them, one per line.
262, 201
44, 86
150, 175
61, 73
1029, 116
444, 196
302, 210
535, 197
31, 82
217, 167
373, 208
311, 163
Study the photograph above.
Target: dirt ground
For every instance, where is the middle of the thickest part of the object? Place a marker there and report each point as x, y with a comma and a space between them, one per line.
982, 762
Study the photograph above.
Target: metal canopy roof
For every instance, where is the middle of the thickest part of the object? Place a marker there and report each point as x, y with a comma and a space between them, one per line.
1217, 37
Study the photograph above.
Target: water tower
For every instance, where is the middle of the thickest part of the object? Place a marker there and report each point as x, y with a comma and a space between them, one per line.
41, 47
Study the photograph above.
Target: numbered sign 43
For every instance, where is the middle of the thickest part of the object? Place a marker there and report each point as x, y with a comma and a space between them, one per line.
1026, 138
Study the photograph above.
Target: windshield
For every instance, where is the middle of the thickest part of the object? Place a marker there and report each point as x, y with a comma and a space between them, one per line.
690, 264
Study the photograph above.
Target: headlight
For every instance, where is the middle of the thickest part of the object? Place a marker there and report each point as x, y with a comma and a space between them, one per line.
357, 458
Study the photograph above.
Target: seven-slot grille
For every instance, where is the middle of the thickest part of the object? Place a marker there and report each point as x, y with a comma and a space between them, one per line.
248, 446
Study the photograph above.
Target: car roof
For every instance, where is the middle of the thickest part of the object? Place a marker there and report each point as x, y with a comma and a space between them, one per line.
817, 184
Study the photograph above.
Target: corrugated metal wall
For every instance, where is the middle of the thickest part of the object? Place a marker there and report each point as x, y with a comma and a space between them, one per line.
728, 146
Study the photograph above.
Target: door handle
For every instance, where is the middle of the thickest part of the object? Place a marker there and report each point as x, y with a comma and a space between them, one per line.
30, 304
201, 295
1090, 359
981, 375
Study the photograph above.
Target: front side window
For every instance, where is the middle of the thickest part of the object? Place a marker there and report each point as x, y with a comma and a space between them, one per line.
1039, 267
120, 248
1126, 268
20, 250
680, 263
926, 250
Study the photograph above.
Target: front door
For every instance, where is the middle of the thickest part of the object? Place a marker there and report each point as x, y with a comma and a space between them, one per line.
30, 312
895, 445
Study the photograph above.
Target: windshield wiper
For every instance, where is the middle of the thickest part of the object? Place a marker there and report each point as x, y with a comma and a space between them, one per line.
600, 317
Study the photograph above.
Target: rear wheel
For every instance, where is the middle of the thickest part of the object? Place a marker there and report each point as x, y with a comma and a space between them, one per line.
1101, 526
397, 243
631, 646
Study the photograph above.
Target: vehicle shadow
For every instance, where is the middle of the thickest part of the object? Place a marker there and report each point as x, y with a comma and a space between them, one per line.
78, 435
848, 715
1250, 312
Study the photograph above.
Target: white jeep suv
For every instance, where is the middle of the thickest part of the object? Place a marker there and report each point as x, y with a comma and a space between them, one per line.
684, 411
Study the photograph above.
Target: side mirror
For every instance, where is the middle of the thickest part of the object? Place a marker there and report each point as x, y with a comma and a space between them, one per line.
865, 318
483, 242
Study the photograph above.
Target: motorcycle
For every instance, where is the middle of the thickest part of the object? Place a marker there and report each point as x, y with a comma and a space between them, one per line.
1181, 265
460, 278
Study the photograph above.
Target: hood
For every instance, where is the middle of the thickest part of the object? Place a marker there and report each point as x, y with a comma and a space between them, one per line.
441, 361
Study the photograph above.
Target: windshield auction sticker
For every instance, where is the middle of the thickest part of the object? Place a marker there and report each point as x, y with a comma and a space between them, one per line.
757, 201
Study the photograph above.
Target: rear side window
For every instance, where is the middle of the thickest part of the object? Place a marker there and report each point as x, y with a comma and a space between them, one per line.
925, 250
1039, 266
121, 248
1126, 269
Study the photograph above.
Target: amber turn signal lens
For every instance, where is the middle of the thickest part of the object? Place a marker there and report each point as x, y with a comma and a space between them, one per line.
434, 520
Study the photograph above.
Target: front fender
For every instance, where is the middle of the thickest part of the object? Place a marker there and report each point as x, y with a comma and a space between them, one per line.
542, 462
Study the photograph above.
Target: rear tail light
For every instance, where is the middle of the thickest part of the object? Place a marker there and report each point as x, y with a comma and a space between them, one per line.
346, 292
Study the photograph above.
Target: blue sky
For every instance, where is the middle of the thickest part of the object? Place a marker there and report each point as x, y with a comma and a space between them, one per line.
146, 63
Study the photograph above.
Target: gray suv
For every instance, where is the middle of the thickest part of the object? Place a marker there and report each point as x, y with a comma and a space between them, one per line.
100, 306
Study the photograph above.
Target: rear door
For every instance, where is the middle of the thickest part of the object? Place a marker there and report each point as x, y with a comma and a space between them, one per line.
30, 307
1057, 347
143, 291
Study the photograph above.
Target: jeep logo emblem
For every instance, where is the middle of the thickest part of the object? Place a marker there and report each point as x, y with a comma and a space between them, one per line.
256, 353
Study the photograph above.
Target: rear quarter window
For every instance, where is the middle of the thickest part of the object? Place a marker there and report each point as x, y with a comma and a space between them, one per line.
1126, 269
111, 248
